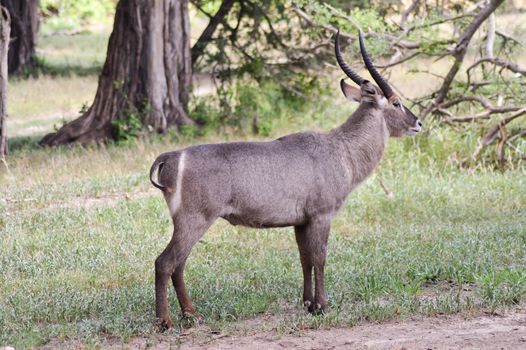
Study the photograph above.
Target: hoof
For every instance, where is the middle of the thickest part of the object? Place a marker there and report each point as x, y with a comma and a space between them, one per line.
317, 309
191, 318
309, 305
164, 324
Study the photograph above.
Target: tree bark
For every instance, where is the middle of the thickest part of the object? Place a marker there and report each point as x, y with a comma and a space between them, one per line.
148, 72
24, 30
4, 46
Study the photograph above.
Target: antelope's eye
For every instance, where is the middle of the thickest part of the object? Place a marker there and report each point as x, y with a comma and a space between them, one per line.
396, 104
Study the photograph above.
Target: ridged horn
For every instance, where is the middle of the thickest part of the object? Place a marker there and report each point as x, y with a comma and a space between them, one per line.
388, 92
344, 66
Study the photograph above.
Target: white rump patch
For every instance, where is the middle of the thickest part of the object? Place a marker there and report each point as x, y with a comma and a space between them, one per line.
174, 199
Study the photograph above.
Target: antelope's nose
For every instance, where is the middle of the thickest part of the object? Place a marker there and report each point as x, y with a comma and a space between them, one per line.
418, 123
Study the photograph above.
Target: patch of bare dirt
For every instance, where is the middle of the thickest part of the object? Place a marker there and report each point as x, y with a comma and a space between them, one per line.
444, 332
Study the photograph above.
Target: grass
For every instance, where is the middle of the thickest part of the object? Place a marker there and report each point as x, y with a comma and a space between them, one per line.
83, 52
66, 81
37, 104
80, 229
73, 271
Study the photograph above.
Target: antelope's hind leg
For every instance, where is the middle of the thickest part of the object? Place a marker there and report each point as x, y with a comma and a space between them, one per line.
171, 264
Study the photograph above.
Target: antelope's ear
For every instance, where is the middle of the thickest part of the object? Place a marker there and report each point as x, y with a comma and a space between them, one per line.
368, 88
351, 93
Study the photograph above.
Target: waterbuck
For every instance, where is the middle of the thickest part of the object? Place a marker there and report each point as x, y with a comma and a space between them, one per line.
298, 180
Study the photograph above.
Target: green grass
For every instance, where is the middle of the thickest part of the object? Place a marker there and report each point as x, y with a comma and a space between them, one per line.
70, 270
66, 81
82, 53
76, 256
36, 105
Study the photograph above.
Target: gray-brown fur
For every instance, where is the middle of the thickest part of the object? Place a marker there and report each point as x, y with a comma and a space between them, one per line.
299, 180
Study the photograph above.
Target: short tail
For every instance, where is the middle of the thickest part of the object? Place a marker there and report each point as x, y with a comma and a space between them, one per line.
157, 166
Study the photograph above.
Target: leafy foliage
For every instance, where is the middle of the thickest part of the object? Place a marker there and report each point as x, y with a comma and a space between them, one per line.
128, 126
73, 15
249, 106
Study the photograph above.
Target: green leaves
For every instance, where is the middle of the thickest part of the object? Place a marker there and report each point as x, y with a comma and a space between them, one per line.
73, 15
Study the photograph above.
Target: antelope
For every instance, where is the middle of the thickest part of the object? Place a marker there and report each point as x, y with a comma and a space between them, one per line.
299, 180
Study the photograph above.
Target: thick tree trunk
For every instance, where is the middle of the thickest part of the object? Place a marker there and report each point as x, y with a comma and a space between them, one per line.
147, 72
4, 46
24, 29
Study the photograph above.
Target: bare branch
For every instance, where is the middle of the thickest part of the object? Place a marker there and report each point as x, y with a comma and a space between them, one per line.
501, 63
437, 22
489, 109
399, 61
485, 103
206, 35
490, 37
406, 44
493, 133
520, 134
508, 37
459, 53
408, 11
484, 114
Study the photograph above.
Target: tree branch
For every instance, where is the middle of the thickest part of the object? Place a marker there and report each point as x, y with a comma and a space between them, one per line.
515, 68
490, 37
459, 53
408, 11
399, 61
492, 134
206, 35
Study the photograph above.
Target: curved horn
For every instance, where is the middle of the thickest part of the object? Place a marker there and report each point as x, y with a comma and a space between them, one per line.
344, 66
388, 92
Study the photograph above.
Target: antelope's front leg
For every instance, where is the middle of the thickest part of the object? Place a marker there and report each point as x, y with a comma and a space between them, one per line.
306, 266
319, 256
312, 242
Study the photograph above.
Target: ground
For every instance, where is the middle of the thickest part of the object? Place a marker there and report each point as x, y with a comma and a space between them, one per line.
466, 331
422, 249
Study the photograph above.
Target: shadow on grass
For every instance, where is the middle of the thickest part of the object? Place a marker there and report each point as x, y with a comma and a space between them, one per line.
41, 67
24, 143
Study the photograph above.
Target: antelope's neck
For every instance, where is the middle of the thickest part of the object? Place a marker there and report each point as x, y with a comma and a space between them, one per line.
363, 138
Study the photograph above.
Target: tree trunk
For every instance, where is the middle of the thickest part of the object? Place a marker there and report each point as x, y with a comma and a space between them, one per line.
4, 46
24, 29
147, 73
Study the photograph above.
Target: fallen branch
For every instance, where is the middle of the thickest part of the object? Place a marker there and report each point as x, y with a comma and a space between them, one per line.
492, 134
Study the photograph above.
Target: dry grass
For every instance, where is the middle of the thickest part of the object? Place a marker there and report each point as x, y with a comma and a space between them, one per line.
37, 104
